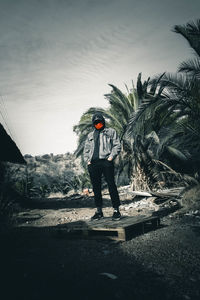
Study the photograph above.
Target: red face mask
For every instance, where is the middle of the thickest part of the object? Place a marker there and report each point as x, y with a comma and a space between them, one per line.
98, 125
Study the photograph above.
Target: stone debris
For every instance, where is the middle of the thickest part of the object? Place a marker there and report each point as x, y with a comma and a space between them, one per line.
143, 194
109, 275
142, 204
193, 213
173, 192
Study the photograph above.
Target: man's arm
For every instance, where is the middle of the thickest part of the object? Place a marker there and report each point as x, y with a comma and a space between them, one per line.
116, 146
86, 150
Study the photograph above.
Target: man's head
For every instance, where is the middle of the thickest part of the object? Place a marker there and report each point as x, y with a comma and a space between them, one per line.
98, 121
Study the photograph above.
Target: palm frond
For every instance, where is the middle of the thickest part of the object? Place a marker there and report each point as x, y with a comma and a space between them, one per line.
191, 66
156, 83
117, 97
177, 153
191, 32
147, 104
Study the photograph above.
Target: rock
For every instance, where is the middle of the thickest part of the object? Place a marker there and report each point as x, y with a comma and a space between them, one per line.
86, 192
186, 297
143, 194
106, 252
109, 275
127, 207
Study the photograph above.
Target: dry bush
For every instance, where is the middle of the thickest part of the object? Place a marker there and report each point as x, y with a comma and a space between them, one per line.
191, 198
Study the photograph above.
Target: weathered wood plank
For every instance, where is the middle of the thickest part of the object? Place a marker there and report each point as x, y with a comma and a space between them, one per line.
122, 234
117, 230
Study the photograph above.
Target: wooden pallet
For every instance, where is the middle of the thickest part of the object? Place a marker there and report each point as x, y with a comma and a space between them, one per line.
122, 230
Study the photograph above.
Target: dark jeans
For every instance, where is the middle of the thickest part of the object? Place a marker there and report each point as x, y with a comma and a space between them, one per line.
96, 169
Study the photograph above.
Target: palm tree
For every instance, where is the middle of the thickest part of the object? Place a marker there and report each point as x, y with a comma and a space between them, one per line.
184, 91
143, 129
172, 116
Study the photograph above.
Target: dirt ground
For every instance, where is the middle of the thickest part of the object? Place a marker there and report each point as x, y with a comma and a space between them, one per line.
160, 264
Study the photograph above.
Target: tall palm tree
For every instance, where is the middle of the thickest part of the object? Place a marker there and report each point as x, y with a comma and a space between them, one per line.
172, 113
143, 129
184, 90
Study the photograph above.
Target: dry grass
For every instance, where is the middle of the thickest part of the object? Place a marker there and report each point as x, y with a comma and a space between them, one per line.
191, 198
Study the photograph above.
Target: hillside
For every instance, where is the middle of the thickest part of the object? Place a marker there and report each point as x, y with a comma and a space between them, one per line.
46, 175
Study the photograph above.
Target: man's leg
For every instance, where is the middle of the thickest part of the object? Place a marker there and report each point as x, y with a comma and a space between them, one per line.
95, 172
108, 172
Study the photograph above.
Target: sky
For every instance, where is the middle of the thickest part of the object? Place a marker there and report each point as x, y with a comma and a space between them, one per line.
57, 58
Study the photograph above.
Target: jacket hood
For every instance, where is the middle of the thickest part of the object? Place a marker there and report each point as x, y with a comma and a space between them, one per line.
98, 117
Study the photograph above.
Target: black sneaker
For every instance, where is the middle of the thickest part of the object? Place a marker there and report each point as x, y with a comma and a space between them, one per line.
116, 215
97, 216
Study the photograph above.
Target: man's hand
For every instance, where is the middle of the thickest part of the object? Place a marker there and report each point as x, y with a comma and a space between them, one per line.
89, 163
110, 158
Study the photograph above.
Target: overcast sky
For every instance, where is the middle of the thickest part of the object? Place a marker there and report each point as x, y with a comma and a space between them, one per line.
57, 58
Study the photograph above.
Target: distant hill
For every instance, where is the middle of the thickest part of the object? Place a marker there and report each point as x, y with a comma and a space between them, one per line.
48, 174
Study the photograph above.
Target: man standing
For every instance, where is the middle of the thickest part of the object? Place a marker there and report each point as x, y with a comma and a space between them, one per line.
101, 148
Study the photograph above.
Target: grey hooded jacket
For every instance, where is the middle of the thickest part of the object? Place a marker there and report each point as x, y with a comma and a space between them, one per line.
109, 145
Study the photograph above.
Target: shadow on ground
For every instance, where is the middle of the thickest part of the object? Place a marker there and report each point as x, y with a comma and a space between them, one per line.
36, 265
